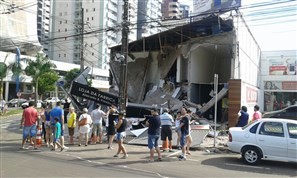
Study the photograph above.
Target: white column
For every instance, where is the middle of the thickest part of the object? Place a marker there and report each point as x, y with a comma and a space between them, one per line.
6, 90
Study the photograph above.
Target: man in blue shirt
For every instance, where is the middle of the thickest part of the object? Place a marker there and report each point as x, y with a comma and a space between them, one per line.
58, 112
243, 117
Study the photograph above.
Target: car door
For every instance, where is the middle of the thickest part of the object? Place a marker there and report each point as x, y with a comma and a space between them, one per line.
271, 138
292, 140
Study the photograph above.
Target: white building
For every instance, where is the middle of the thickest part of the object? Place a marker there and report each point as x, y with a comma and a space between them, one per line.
149, 17
278, 79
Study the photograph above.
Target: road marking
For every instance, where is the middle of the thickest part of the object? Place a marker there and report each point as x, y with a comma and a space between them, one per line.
172, 154
255, 167
107, 164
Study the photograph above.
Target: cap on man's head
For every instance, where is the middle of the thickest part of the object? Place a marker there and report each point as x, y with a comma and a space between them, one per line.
85, 110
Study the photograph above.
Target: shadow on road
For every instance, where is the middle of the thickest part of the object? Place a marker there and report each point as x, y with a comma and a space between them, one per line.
265, 167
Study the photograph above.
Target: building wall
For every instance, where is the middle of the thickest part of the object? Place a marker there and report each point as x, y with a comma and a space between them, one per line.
148, 12
278, 79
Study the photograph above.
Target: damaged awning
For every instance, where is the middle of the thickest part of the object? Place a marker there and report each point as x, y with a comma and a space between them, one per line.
207, 26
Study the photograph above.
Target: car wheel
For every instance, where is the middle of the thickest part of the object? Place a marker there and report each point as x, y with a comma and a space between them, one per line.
251, 155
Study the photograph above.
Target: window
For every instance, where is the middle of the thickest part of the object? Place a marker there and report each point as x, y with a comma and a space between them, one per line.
59, 55
92, 54
66, 21
92, 18
87, 18
87, 10
94, 9
64, 55
292, 129
65, 29
254, 128
60, 13
58, 30
65, 38
272, 129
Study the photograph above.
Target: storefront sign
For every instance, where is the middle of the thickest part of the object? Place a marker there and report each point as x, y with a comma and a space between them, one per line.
93, 94
280, 85
251, 95
282, 66
289, 85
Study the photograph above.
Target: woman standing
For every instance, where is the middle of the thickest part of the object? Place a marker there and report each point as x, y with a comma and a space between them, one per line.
71, 123
121, 135
48, 131
111, 126
84, 128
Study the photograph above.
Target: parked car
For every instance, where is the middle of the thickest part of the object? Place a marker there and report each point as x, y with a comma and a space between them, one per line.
39, 104
16, 102
289, 112
271, 139
51, 100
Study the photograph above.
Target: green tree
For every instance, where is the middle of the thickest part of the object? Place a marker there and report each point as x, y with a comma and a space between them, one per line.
71, 75
14, 67
37, 68
47, 82
3, 74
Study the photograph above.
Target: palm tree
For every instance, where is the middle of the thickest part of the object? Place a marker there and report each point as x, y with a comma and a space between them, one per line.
3, 74
38, 67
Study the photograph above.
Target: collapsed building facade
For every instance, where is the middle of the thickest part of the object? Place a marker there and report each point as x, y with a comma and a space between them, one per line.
177, 67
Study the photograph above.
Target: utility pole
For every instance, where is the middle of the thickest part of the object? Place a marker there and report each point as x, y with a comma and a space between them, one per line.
82, 42
124, 51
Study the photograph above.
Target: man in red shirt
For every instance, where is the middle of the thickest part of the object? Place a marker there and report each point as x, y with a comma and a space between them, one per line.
29, 119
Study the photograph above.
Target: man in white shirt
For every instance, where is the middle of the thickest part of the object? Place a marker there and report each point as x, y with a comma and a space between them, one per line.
97, 130
166, 130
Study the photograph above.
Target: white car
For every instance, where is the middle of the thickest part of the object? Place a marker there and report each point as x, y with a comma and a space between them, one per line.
268, 138
26, 104
51, 100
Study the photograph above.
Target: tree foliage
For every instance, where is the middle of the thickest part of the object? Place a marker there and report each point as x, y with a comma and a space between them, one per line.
37, 68
47, 82
3, 73
70, 76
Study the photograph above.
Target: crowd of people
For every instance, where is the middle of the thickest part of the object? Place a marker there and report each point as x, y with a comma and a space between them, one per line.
54, 122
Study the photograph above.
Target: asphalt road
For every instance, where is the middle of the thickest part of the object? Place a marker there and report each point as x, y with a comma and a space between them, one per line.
98, 161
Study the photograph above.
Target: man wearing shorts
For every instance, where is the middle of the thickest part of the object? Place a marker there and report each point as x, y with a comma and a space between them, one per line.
154, 124
96, 116
184, 127
58, 112
28, 123
166, 130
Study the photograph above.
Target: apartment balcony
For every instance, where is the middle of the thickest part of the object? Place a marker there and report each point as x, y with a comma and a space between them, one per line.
111, 16
111, 7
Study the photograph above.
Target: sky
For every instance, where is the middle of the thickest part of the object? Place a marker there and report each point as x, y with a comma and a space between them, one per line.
273, 26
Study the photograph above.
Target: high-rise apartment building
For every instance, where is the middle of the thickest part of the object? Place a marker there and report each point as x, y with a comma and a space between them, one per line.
172, 9
149, 16
86, 29
43, 23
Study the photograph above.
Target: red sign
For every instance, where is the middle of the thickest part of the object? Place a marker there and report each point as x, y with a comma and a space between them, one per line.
251, 95
289, 85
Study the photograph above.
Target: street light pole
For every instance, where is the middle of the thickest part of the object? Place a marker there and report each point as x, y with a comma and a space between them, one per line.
124, 51
82, 42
